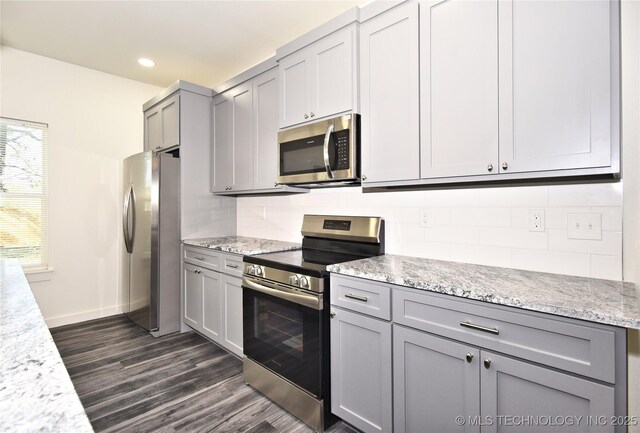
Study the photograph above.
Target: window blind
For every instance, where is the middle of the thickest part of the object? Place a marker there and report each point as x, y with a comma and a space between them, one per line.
23, 192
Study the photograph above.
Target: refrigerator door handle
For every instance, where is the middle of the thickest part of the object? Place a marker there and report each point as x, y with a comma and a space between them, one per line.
132, 235
125, 220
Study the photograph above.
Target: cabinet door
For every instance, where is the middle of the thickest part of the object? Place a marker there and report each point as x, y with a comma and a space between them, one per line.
192, 284
242, 152
211, 305
232, 313
162, 124
512, 388
459, 87
390, 96
265, 109
361, 370
222, 143
293, 78
435, 381
332, 79
555, 84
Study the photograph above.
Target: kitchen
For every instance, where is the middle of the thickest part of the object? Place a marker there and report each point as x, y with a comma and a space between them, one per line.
486, 225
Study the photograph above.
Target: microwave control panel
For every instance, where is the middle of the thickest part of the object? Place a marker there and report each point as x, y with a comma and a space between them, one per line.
342, 149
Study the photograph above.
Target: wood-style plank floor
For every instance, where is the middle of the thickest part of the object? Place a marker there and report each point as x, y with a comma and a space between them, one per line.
129, 381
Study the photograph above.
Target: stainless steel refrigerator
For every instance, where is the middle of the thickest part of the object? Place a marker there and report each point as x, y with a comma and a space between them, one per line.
151, 230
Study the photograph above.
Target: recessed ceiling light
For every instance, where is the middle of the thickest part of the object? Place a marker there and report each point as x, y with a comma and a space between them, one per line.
146, 62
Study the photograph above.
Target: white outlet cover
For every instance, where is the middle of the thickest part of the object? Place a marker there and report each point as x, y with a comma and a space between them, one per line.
425, 218
536, 220
584, 226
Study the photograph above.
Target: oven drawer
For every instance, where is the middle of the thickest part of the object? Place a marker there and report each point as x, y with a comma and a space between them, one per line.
574, 346
231, 264
363, 296
202, 257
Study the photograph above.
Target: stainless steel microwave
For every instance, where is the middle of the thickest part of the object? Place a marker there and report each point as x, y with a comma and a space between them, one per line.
322, 152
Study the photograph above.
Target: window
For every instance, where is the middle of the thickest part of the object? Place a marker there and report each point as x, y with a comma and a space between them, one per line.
23, 192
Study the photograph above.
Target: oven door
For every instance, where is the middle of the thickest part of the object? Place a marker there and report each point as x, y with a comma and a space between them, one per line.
283, 331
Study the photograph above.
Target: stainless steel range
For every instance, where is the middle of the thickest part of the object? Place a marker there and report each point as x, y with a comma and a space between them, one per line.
286, 313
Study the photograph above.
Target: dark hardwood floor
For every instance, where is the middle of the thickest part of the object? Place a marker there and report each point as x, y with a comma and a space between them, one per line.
129, 381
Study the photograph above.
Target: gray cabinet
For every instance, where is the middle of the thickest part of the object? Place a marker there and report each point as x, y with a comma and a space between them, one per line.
452, 357
244, 143
162, 124
212, 296
389, 96
320, 79
506, 91
435, 380
361, 391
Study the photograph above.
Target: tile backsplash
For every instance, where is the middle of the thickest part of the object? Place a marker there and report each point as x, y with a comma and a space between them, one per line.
487, 226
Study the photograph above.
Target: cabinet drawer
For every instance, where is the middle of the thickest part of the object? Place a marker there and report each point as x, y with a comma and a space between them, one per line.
231, 264
363, 296
202, 257
578, 347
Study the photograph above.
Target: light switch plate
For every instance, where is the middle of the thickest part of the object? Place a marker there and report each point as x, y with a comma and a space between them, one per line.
584, 226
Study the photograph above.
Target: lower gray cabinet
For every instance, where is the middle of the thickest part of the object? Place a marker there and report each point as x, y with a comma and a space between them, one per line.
212, 296
435, 380
361, 389
513, 390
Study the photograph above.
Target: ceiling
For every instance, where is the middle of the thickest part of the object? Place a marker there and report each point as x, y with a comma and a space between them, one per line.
204, 42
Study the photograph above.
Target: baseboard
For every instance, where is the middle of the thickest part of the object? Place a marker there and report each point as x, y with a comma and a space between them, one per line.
68, 319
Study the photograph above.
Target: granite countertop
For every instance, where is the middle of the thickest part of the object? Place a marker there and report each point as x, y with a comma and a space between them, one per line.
242, 245
602, 301
36, 393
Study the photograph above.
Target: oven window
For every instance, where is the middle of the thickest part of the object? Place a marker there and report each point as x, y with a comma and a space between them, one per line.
284, 337
302, 156
280, 326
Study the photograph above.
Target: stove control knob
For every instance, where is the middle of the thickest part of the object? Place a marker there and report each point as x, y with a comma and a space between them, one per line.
251, 270
293, 280
304, 282
258, 271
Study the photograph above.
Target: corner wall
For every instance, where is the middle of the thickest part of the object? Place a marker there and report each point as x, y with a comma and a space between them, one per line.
95, 121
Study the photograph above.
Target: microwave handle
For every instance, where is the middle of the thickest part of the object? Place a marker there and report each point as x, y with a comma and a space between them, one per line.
325, 151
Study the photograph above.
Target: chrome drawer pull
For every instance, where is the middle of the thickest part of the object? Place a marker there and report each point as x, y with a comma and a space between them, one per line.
199, 258
480, 328
232, 266
356, 297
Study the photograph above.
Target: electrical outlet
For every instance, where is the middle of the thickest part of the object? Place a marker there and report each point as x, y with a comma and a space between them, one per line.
536, 220
584, 226
425, 220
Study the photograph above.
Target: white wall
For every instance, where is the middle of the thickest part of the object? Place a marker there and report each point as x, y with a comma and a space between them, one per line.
95, 121
474, 225
630, 45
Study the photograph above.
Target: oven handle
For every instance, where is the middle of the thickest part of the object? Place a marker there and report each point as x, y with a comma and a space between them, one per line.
325, 151
282, 292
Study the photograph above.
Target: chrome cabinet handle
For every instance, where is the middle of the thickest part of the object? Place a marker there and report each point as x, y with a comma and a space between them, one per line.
332, 315
487, 363
356, 297
364, 177
196, 271
275, 184
311, 114
490, 167
469, 357
306, 116
480, 328
325, 151
232, 266
199, 258
505, 165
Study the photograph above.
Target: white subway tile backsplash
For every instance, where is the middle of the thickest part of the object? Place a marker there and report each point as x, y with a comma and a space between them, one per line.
606, 267
588, 194
476, 225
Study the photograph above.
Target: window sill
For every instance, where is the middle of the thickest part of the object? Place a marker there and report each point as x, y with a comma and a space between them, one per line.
37, 275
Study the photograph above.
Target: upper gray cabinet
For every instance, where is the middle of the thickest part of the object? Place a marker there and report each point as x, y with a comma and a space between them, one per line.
318, 78
389, 83
507, 90
244, 137
162, 124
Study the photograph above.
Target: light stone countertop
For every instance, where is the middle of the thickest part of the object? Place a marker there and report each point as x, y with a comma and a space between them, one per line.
602, 301
243, 245
36, 393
